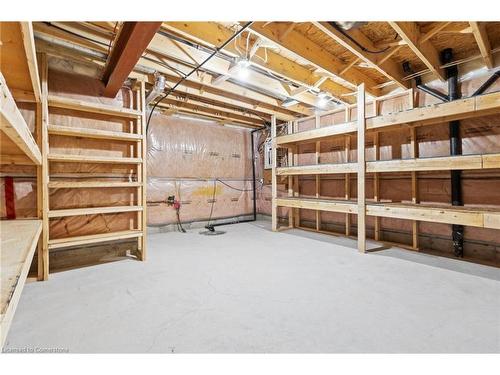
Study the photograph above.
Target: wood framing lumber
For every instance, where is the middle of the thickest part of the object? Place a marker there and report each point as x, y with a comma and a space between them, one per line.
442, 112
131, 42
361, 164
19, 239
298, 44
92, 159
92, 184
388, 68
274, 181
483, 42
476, 217
339, 168
462, 162
426, 52
31, 60
72, 131
213, 34
92, 211
84, 106
13, 125
93, 238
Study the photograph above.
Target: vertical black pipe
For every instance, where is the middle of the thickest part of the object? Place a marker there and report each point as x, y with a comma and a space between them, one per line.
253, 176
455, 149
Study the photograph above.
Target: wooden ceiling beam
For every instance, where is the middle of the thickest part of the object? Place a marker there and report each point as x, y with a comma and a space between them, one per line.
483, 42
434, 30
426, 52
298, 44
214, 34
388, 68
130, 44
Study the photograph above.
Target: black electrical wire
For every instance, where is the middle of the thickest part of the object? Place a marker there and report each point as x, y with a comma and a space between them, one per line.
196, 69
341, 30
212, 207
232, 187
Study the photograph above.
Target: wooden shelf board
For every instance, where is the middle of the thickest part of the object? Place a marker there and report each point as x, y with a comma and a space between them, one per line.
462, 162
482, 105
19, 239
84, 106
92, 211
92, 184
92, 159
92, 133
14, 127
93, 238
470, 216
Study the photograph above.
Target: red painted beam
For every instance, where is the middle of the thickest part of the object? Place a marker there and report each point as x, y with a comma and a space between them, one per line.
130, 44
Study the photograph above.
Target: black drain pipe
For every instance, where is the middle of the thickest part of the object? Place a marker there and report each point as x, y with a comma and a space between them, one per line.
419, 85
455, 149
490, 81
254, 188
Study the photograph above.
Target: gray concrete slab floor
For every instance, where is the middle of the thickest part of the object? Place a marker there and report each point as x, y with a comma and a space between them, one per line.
252, 290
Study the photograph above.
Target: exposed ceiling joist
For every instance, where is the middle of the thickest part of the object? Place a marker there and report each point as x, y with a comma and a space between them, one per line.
130, 44
215, 34
483, 42
388, 68
426, 52
296, 43
434, 30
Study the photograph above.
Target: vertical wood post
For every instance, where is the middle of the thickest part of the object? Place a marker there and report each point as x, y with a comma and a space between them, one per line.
361, 168
43, 184
290, 178
317, 121
347, 176
414, 181
141, 169
274, 182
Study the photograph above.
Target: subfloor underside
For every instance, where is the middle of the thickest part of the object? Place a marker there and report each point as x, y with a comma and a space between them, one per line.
252, 290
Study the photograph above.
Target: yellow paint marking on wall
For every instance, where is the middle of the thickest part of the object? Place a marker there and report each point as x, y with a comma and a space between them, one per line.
208, 191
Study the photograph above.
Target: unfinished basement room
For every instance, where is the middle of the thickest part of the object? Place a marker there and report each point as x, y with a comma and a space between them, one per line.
249, 186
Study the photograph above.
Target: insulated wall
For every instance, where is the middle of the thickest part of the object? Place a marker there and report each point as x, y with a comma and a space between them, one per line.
205, 165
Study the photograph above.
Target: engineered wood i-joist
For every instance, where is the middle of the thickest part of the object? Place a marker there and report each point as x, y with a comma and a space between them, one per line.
19, 240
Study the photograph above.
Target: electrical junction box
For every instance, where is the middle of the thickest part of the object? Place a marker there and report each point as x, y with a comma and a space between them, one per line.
268, 154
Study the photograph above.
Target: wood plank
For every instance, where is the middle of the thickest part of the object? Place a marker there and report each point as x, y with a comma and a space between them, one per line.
318, 169
43, 120
427, 164
92, 133
274, 181
92, 211
491, 161
13, 125
93, 238
442, 112
319, 204
92, 159
92, 184
131, 42
84, 106
388, 68
483, 42
31, 60
361, 122
19, 239
426, 52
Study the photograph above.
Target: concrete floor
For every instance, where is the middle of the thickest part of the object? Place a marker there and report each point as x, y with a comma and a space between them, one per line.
251, 290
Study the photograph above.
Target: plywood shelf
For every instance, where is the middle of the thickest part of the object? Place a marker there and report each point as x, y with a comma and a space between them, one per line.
93, 238
15, 136
92, 211
84, 106
92, 159
92, 133
462, 162
471, 216
19, 239
92, 184
456, 110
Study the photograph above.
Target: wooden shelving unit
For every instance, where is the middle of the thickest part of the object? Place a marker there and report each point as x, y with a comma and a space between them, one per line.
482, 217
19, 82
136, 137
